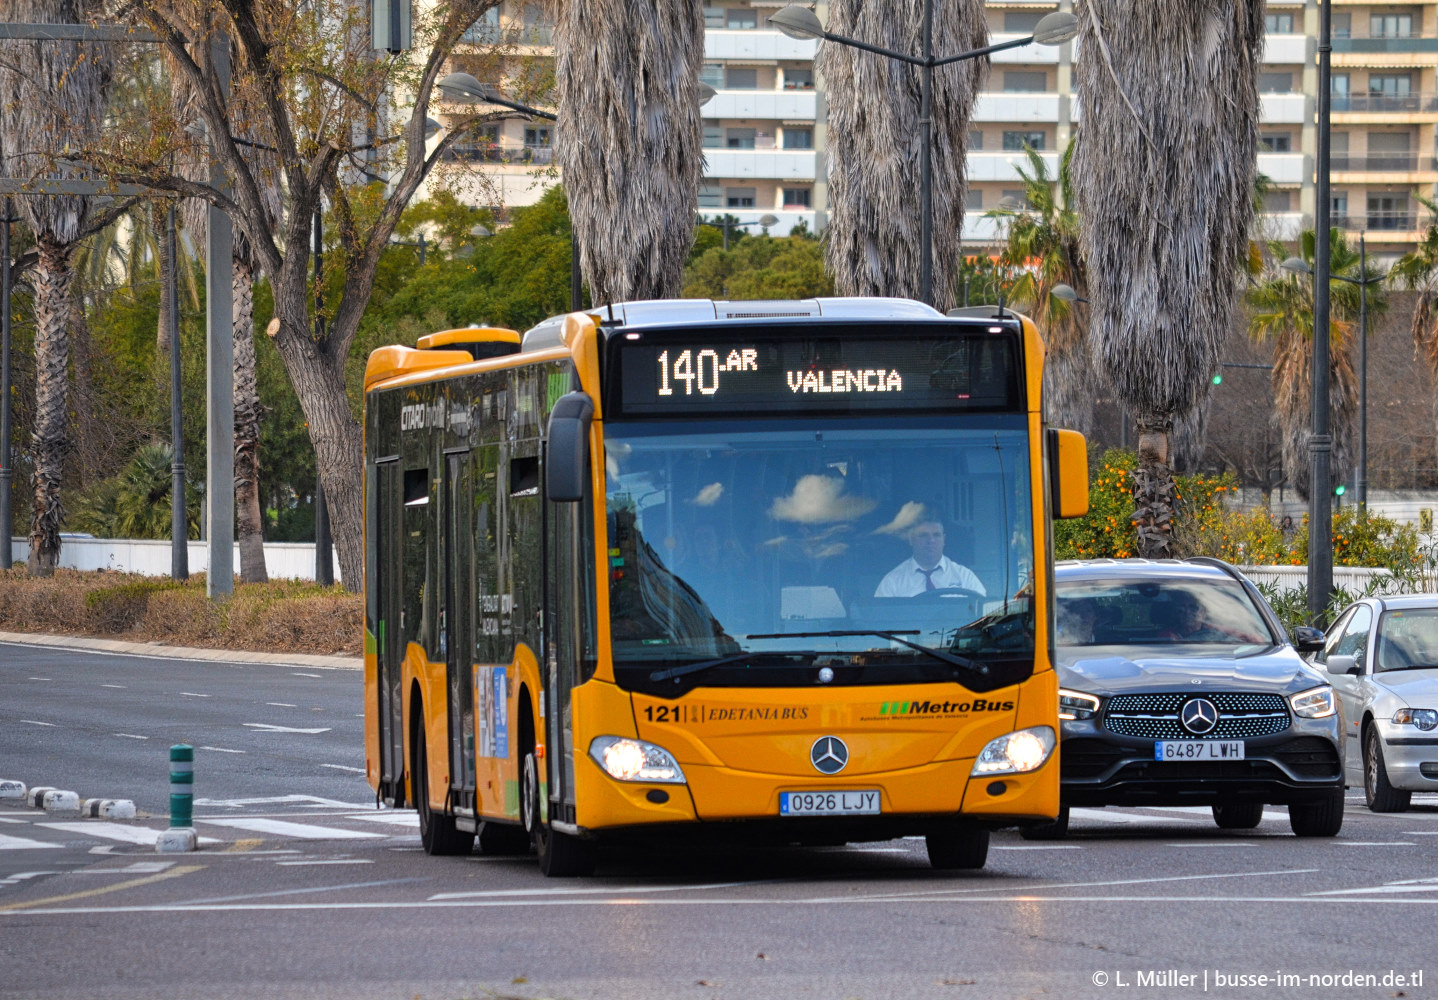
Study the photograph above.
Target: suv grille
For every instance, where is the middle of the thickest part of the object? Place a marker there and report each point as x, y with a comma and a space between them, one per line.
1155, 716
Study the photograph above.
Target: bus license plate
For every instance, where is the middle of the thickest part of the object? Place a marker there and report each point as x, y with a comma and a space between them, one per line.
1198, 750
845, 803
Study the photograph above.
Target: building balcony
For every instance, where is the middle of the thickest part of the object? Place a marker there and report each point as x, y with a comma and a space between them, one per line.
749, 218
756, 45
1030, 55
1384, 44
500, 153
980, 228
1003, 166
1377, 222
1284, 226
1282, 168
1382, 163
1014, 107
760, 164
1383, 103
776, 105
488, 33
1286, 49
1283, 109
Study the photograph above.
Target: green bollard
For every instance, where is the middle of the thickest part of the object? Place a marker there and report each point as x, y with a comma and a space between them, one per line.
182, 783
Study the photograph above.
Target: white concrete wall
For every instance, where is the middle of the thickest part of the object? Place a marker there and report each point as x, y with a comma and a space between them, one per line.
283, 560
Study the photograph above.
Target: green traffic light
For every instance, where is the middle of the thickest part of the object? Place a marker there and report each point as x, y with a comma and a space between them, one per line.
1218, 378
1340, 489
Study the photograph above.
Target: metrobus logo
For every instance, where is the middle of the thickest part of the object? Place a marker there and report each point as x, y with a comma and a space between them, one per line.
944, 707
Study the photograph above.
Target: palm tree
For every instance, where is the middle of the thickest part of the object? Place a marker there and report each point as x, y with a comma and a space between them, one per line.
53, 98
1163, 182
1042, 248
629, 140
1417, 271
874, 145
1281, 312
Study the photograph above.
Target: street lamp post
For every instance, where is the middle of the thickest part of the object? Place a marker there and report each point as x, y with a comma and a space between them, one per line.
801, 22
1296, 265
6, 556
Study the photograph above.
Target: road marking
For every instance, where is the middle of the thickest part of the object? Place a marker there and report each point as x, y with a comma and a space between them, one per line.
1096, 815
302, 831
130, 736
628, 890
1403, 885
114, 831
406, 818
919, 896
131, 884
311, 889
19, 877
41, 678
7, 819
192, 694
1371, 843
333, 861
1212, 843
138, 868
32, 722
265, 727
222, 750
118, 687
1037, 847
341, 767
307, 675
22, 843
312, 800
280, 704
243, 845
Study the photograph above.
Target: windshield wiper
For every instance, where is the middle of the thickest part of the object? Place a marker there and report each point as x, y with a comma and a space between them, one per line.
973, 666
700, 665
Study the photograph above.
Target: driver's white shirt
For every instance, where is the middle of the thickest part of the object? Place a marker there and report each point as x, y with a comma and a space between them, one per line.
906, 579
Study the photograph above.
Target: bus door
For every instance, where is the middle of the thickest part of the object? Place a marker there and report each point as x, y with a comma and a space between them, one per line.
458, 619
567, 641
389, 638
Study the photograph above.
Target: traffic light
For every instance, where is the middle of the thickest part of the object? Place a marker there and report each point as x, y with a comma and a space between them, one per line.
1340, 489
1218, 378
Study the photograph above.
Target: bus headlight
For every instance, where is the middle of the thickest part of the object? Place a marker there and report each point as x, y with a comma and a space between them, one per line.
634, 760
1425, 719
1015, 753
1315, 703
1076, 704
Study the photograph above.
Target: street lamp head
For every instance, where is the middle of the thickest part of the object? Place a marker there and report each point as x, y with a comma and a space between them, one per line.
767, 220
1056, 28
1296, 265
464, 87
706, 93
797, 22
1009, 204
1067, 293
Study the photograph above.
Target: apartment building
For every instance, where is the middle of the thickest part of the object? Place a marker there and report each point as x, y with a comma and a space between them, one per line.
764, 129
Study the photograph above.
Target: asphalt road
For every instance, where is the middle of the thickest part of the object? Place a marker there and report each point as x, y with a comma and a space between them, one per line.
296, 894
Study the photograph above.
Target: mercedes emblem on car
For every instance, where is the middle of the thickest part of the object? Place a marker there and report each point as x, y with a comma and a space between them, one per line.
1199, 716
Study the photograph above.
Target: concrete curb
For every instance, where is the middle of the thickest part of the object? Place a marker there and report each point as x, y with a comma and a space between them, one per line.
182, 652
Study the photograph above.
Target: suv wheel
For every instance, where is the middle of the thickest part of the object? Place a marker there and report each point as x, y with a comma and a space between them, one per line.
1319, 818
1238, 815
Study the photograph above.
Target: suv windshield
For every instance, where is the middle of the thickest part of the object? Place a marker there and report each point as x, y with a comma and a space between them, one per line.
1189, 615
888, 550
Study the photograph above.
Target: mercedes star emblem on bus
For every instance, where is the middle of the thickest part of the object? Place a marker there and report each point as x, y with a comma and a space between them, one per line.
1199, 716
829, 754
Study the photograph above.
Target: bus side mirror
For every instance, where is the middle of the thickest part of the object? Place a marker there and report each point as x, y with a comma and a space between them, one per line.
1068, 473
566, 467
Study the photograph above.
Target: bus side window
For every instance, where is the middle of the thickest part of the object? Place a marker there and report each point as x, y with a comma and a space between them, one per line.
416, 556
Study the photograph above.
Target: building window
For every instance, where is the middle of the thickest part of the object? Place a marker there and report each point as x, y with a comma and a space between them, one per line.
739, 138
741, 78
1278, 24
1388, 211
1276, 143
1016, 198
538, 136
713, 74
1277, 201
976, 138
1390, 84
798, 79
713, 17
1025, 82
1017, 140
797, 197
713, 135
711, 196
974, 200
1342, 25
1275, 83
1338, 205
798, 138
1022, 22
739, 18
739, 198
1390, 25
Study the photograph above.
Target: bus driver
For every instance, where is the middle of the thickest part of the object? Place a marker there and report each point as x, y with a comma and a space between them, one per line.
928, 568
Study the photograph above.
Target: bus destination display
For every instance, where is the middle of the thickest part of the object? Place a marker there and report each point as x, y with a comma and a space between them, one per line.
662, 375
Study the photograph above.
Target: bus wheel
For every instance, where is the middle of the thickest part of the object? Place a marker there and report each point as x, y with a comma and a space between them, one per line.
958, 846
503, 838
560, 854
437, 831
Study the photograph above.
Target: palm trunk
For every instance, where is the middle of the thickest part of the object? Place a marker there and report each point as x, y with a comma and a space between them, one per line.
1154, 495
49, 442
250, 520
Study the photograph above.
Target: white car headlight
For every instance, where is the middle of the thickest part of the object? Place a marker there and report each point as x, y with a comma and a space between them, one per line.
1315, 703
1076, 704
1015, 753
1425, 719
635, 760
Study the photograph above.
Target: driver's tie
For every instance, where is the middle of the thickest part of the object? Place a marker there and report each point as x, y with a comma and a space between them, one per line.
929, 578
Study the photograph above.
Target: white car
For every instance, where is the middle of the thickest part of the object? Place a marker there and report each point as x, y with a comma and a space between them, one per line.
1381, 656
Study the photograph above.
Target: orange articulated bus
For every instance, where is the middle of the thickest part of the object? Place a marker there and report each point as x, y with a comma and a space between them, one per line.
777, 570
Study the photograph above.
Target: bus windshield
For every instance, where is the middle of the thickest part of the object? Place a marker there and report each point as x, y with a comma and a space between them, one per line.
759, 553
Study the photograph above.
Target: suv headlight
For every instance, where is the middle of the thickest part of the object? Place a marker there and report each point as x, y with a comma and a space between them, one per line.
635, 760
1016, 752
1076, 704
1315, 703
1425, 719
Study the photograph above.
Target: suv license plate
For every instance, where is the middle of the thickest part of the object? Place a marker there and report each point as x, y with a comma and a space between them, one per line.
846, 803
1198, 750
